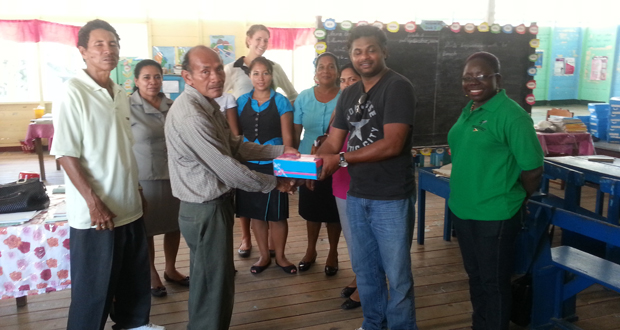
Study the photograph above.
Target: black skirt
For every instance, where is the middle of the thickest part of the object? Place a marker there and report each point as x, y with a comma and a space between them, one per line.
318, 205
272, 206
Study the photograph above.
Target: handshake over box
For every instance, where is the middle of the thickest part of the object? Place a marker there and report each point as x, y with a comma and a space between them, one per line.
299, 167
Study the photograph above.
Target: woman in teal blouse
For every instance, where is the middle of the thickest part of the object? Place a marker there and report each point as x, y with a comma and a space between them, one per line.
313, 110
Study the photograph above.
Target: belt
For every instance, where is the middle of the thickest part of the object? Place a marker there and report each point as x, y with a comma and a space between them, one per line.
228, 194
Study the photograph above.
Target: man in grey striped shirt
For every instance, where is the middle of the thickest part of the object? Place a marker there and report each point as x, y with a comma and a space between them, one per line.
203, 157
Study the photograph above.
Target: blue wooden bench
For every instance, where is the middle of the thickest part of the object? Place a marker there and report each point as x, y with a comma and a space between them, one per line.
562, 272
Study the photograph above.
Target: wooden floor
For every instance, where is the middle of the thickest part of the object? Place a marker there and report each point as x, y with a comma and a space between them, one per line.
275, 300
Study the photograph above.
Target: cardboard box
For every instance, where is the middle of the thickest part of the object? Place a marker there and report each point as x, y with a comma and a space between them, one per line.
599, 124
614, 114
614, 101
599, 110
300, 167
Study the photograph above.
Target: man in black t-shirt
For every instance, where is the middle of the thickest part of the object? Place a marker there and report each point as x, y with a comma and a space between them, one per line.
378, 113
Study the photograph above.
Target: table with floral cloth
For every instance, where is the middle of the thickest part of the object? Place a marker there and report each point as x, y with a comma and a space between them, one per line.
34, 256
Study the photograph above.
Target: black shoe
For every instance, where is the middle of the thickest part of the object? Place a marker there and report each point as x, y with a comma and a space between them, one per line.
182, 282
350, 304
159, 291
290, 269
244, 253
259, 269
305, 265
347, 291
331, 271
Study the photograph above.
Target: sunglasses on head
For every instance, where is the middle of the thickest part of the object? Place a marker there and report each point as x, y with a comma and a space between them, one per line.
358, 109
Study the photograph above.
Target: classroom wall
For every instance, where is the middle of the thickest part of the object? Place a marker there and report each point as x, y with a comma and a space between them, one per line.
565, 47
615, 85
542, 77
597, 43
15, 117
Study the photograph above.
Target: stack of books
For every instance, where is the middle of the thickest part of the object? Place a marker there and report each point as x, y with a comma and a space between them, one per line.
574, 125
569, 125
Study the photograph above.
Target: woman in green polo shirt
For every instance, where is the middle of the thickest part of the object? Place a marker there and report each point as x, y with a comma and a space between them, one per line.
496, 165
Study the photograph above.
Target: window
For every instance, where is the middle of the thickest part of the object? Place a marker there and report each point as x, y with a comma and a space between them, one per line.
19, 81
298, 65
59, 63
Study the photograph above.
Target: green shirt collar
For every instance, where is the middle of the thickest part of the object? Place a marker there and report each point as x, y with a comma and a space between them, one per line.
491, 105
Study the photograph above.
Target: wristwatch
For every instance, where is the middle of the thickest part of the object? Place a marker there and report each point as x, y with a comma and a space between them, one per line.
343, 162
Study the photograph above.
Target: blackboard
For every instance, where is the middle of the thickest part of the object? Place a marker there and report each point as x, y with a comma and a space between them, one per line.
434, 61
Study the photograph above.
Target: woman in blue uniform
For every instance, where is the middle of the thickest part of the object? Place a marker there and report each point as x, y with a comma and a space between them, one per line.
266, 117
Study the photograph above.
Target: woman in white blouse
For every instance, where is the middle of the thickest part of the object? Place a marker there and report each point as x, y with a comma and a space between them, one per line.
149, 108
238, 83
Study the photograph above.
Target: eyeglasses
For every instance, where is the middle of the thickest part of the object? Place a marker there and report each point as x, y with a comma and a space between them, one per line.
479, 78
358, 110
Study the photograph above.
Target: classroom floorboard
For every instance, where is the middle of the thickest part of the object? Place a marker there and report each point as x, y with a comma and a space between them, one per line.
310, 300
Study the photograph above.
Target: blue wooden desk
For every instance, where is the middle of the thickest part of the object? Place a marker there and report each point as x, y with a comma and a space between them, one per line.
597, 173
607, 176
438, 185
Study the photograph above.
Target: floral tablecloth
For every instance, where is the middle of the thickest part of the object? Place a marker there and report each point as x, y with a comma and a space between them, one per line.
34, 256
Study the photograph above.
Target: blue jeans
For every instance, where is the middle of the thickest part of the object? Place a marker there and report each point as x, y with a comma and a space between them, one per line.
380, 244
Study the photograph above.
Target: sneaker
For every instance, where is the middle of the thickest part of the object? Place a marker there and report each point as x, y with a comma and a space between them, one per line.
149, 326
360, 328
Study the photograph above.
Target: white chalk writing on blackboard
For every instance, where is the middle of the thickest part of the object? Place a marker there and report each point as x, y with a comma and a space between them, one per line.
420, 41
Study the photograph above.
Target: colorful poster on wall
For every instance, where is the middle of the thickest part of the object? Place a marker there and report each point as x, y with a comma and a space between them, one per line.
598, 68
225, 46
180, 54
166, 57
564, 66
569, 66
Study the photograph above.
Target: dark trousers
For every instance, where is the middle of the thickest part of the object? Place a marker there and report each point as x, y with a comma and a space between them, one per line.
207, 229
109, 274
487, 248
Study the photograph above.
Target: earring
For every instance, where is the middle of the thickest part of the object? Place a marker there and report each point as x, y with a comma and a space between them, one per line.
497, 90
466, 95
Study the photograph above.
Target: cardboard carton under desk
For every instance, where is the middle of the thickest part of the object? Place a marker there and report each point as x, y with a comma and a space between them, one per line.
300, 167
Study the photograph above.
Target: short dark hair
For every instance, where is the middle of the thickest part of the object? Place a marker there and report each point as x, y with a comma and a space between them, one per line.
487, 57
367, 31
267, 63
142, 64
350, 66
84, 33
253, 29
328, 54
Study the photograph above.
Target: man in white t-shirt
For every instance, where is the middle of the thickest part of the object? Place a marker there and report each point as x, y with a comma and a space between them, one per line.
92, 141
